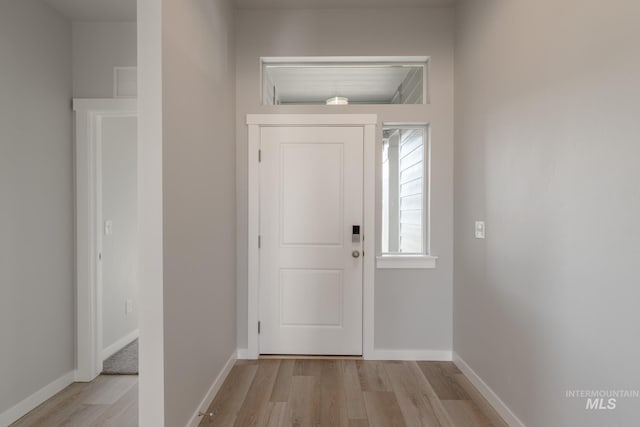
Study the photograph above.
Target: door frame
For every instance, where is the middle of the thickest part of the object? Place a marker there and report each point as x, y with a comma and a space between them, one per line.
88, 194
366, 121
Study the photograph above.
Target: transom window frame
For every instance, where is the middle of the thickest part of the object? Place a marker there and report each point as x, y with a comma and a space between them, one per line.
349, 61
399, 260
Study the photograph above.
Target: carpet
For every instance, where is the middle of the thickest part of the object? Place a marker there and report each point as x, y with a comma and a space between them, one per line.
124, 362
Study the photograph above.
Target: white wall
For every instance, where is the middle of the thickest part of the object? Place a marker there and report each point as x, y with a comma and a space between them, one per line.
119, 249
36, 214
547, 150
97, 48
151, 388
198, 178
412, 308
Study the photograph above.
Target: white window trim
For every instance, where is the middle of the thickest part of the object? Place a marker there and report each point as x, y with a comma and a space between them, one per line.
415, 260
406, 261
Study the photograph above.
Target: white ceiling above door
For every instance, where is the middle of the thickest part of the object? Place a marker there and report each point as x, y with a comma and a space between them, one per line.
96, 10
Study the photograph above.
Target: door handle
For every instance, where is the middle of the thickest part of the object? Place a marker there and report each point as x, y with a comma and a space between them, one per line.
355, 254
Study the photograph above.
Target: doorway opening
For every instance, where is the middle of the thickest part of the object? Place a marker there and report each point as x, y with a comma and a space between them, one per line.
106, 233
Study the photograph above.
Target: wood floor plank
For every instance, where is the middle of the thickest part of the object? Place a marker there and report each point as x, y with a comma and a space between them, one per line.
241, 362
465, 413
482, 403
128, 418
258, 394
358, 423
279, 414
383, 409
85, 415
282, 386
124, 413
372, 376
436, 404
441, 378
333, 404
54, 409
305, 401
353, 391
308, 367
231, 396
110, 389
412, 396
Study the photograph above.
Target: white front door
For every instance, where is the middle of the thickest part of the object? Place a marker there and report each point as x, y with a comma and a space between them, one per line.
311, 197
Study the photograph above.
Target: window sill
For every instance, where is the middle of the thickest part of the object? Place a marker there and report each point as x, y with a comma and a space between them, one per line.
406, 261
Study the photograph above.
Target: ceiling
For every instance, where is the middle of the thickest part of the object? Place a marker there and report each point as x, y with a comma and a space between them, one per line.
341, 3
125, 10
96, 10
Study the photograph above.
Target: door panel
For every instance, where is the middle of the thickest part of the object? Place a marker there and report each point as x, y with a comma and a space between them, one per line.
311, 297
311, 194
304, 195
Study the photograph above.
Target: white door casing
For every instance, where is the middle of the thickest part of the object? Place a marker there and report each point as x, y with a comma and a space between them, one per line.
88, 176
311, 193
367, 124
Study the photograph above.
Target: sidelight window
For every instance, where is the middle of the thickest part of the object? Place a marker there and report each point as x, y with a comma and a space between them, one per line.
405, 191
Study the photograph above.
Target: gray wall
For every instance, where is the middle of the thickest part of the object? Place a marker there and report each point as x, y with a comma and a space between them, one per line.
413, 308
97, 48
36, 211
150, 274
120, 206
547, 153
199, 200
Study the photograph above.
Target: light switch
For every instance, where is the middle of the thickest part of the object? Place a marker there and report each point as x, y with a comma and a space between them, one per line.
480, 230
128, 306
108, 227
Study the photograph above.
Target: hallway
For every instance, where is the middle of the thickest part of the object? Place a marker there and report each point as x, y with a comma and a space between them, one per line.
295, 392
482, 154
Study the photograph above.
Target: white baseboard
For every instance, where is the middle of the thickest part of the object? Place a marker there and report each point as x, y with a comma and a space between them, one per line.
410, 354
243, 354
119, 345
26, 405
213, 390
501, 408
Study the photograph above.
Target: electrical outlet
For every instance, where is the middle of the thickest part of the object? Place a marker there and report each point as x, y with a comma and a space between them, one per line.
480, 230
128, 307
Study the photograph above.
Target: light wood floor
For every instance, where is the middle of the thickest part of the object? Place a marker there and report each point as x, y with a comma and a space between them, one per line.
109, 400
295, 392
349, 393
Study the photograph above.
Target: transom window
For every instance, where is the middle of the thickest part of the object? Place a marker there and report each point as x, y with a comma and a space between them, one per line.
343, 81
